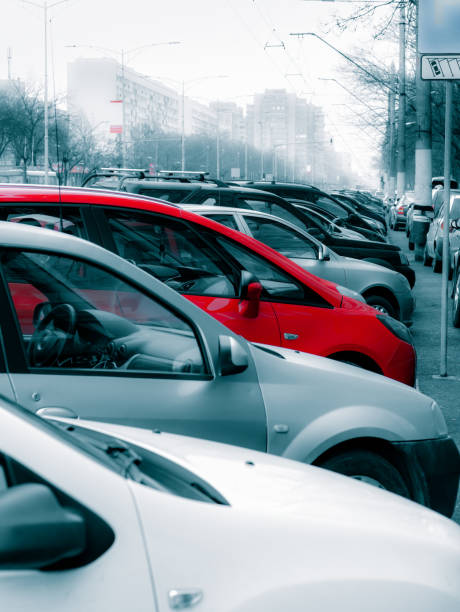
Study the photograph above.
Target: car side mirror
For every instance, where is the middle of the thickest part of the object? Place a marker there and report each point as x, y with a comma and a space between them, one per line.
250, 292
323, 254
35, 530
233, 359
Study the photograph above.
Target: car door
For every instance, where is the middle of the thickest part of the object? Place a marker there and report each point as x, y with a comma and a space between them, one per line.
38, 467
304, 317
292, 243
111, 351
187, 260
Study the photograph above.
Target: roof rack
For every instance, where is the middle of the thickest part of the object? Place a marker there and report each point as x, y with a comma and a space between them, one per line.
123, 173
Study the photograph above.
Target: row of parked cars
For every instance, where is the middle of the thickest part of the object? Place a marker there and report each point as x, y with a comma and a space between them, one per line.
126, 316
401, 216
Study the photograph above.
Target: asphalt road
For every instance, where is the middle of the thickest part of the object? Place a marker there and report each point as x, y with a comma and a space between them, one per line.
426, 333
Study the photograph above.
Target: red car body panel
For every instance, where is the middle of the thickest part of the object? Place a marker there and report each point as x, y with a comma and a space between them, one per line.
348, 326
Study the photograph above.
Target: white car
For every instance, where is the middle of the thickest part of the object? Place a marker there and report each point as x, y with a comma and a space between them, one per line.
97, 517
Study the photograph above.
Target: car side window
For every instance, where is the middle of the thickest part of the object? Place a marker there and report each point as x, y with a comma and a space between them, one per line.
272, 208
227, 220
98, 323
171, 251
275, 283
281, 238
66, 219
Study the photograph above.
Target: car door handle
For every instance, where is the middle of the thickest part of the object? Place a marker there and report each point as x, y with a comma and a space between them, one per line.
57, 411
288, 336
181, 599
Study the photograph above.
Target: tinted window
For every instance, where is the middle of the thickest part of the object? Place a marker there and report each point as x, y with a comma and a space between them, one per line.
281, 238
171, 251
61, 219
272, 208
227, 220
91, 319
170, 195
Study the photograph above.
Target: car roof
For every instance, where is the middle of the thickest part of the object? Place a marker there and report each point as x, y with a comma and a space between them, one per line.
80, 195
154, 186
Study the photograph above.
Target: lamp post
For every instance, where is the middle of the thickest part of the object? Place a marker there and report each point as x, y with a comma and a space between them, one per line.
45, 6
124, 54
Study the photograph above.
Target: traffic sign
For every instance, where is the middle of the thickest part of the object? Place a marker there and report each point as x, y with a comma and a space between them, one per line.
440, 67
439, 26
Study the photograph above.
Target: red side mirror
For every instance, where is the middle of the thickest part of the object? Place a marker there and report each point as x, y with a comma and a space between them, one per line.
249, 307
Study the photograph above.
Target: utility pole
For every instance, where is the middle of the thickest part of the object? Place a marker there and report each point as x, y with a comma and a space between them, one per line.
391, 144
182, 134
401, 174
9, 57
46, 162
423, 143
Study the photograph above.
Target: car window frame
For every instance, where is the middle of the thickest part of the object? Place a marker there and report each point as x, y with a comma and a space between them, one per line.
285, 225
108, 241
14, 338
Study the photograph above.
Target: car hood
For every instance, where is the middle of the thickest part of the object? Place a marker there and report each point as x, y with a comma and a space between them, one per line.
320, 403
253, 481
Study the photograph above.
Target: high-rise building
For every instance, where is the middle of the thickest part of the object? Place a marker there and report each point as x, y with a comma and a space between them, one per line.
277, 124
111, 95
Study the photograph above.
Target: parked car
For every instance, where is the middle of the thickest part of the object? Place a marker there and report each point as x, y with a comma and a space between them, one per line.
374, 252
170, 522
384, 289
244, 197
434, 238
343, 220
397, 213
244, 284
87, 334
316, 196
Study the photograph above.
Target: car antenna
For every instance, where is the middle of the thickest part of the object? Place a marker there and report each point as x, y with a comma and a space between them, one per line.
58, 174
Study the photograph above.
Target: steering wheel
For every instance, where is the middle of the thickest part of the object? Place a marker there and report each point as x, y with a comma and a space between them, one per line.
51, 335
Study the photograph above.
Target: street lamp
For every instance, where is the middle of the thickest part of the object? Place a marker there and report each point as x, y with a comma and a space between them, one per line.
45, 6
123, 55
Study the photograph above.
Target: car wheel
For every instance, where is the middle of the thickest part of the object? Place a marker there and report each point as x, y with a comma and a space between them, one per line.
456, 303
381, 304
426, 258
436, 264
411, 246
368, 467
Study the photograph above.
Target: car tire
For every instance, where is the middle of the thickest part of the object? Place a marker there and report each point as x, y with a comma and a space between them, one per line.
436, 264
368, 467
382, 305
456, 303
427, 260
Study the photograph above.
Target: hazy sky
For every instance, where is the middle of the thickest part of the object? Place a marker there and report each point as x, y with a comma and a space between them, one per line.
218, 37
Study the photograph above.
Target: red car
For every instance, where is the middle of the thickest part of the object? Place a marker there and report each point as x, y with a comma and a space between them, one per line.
249, 287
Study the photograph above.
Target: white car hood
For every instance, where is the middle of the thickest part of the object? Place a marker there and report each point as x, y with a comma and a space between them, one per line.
255, 482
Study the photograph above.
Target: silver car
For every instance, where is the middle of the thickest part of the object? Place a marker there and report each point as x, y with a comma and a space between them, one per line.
434, 239
382, 288
85, 333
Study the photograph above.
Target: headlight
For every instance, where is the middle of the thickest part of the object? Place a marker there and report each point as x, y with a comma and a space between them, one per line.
404, 259
396, 327
350, 293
